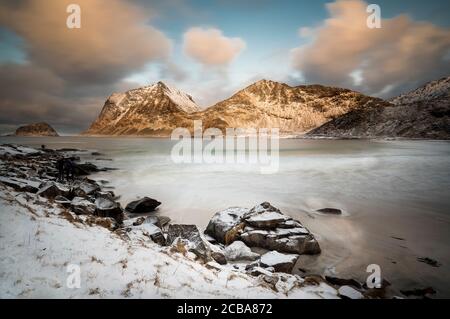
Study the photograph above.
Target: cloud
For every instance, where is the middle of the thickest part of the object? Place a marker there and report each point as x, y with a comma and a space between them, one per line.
210, 47
114, 39
68, 73
400, 56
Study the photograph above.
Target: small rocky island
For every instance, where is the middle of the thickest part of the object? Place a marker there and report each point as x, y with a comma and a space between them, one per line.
36, 129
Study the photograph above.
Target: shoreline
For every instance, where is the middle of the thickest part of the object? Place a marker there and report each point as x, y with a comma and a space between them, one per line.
296, 277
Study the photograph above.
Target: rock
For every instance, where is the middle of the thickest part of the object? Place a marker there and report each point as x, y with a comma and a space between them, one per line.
21, 185
348, 292
330, 211
160, 221
296, 241
224, 225
108, 195
266, 220
263, 226
144, 205
257, 271
216, 253
343, 282
82, 206
265, 216
85, 188
85, 169
51, 190
62, 201
429, 261
108, 208
425, 292
280, 262
191, 234
139, 221
154, 232
239, 251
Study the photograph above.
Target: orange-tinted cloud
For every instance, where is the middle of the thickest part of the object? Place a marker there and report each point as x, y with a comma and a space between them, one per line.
115, 37
210, 47
387, 60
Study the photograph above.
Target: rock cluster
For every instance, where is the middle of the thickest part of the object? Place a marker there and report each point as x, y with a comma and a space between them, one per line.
262, 227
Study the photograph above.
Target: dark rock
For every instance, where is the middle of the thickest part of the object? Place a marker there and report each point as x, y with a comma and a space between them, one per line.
343, 282
144, 205
189, 233
51, 190
139, 221
429, 261
82, 206
108, 208
85, 169
85, 188
224, 225
20, 185
263, 226
330, 211
425, 292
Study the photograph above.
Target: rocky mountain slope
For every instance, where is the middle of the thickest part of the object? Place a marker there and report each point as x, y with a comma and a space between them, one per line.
269, 104
422, 113
36, 129
157, 109
151, 110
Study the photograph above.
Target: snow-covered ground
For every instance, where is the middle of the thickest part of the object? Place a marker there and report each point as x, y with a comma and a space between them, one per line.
41, 246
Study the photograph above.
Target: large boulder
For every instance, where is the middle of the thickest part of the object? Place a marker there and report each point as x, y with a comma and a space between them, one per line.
86, 188
295, 240
239, 251
224, 226
195, 243
143, 205
21, 185
279, 262
81, 206
263, 226
191, 234
51, 190
105, 207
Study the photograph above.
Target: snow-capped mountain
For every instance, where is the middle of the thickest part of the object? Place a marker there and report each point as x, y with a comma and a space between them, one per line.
152, 110
422, 113
158, 109
269, 104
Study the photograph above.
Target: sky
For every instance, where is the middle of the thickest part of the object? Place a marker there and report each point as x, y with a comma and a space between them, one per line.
209, 49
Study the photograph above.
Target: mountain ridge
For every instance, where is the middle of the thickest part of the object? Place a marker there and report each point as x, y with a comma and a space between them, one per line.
263, 104
423, 113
